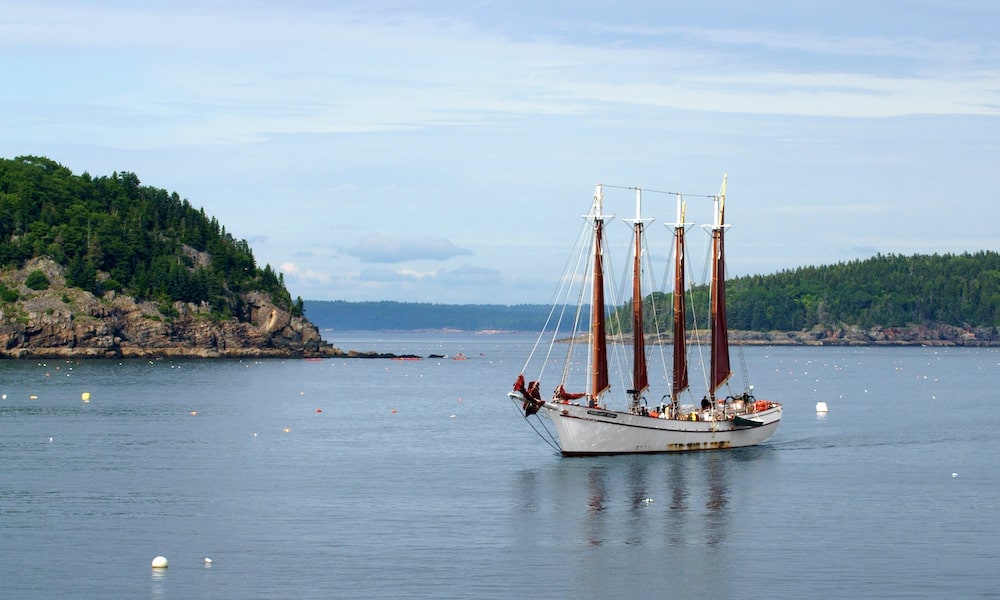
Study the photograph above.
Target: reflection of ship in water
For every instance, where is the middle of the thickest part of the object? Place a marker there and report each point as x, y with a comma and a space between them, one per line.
689, 499
596, 494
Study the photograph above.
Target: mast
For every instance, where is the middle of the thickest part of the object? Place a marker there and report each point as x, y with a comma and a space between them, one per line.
680, 372
719, 368
640, 380
598, 330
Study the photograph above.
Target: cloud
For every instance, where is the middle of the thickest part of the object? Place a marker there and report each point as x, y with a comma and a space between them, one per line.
306, 276
462, 284
383, 249
470, 275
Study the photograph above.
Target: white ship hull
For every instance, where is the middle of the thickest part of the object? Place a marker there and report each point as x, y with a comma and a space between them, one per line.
586, 431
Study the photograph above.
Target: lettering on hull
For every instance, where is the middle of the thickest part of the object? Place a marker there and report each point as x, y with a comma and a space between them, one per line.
719, 445
602, 413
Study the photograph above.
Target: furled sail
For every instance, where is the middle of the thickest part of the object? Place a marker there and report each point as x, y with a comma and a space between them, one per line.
680, 370
719, 368
640, 379
599, 382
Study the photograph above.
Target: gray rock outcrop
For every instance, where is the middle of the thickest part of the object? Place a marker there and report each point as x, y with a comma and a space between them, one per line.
69, 322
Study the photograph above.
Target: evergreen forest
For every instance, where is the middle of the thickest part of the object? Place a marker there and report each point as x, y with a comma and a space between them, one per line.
111, 233
962, 290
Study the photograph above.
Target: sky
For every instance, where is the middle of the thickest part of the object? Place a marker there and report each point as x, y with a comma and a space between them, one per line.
444, 151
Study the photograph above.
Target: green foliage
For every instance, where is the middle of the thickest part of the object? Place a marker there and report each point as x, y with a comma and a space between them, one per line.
37, 281
146, 242
7, 294
887, 291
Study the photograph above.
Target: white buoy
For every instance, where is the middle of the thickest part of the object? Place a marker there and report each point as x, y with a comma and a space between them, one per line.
953, 475
208, 562
821, 407
160, 562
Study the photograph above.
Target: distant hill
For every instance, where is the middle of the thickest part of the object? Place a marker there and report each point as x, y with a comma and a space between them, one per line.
405, 316
950, 297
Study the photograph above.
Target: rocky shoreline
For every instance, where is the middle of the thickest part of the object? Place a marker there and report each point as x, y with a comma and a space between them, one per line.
65, 322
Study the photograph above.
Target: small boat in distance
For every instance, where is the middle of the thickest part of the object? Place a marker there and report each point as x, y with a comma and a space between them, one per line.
586, 422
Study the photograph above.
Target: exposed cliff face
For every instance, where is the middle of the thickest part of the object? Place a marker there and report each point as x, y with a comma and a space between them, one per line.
69, 322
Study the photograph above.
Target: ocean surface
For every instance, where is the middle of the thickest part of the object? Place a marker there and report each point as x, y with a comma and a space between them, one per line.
419, 479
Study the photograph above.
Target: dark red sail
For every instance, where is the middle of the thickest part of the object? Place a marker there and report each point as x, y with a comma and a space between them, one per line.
598, 331
640, 379
720, 369
680, 372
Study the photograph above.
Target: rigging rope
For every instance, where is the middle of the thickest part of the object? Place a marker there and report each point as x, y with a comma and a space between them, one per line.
548, 437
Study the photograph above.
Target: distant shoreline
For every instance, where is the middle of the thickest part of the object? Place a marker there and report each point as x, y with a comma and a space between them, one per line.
936, 336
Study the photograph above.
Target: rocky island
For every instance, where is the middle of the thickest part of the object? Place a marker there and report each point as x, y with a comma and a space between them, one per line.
66, 322
107, 267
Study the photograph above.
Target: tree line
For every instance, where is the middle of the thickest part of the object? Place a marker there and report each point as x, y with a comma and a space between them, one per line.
883, 291
111, 233
886, 290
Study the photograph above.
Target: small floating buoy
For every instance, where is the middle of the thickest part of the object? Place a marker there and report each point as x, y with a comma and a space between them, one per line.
394, 411
287, 429
319, 410
85, 396
821, 407
193, 413
208, 562
160, 562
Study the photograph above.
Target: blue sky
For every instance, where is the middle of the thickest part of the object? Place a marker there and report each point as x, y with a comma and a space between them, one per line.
444, 151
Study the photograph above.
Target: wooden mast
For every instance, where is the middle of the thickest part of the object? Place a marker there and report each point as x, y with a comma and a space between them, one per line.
599, 382
719, 368
680, 371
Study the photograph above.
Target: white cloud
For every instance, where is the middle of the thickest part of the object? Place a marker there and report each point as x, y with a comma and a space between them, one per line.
303, 276
384, 249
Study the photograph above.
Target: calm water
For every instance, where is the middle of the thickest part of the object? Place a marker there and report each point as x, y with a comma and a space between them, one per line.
360, 478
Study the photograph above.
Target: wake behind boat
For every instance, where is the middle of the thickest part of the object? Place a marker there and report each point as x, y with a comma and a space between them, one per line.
586, 422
